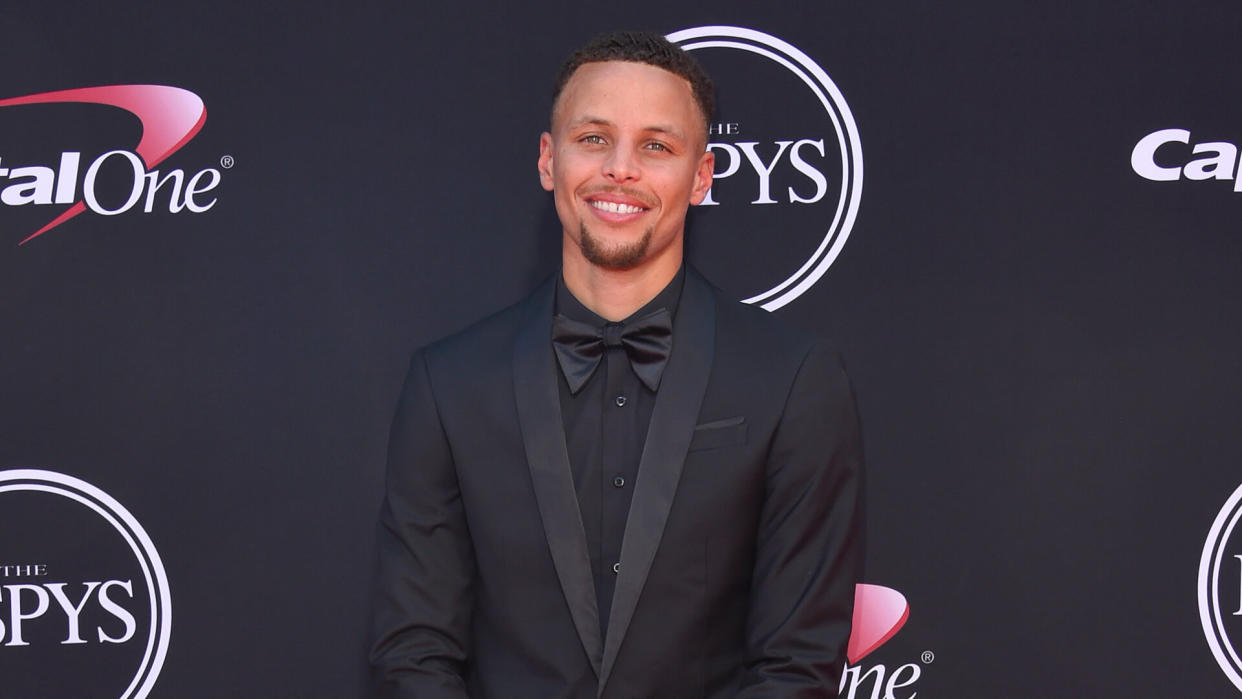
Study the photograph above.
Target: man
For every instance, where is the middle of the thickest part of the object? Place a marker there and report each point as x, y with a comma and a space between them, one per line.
627, 485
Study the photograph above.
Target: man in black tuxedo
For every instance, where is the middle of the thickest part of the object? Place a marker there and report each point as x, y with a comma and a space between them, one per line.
628, 484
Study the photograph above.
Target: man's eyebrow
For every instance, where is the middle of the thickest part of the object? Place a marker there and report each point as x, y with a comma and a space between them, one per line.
667, 129
588, 120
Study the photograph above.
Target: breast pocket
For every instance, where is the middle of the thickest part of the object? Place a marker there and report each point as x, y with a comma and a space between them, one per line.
729, 432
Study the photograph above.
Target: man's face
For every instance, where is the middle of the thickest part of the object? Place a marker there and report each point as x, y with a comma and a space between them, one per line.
624, 160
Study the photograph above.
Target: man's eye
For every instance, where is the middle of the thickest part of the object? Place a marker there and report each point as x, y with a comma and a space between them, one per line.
657, 146
592, 138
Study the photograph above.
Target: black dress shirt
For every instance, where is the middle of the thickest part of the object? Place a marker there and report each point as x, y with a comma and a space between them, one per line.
605, 430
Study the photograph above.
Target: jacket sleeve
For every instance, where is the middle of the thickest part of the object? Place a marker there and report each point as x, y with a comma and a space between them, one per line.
425, 570
809, 547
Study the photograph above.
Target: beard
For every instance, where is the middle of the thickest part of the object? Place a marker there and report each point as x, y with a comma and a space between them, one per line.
614, 257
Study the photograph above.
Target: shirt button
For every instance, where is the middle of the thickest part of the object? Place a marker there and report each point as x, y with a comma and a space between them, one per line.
620, 401
616, 567
618, 482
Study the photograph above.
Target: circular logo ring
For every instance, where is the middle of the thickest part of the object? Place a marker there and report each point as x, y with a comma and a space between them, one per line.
826, 91
144, 551
1209, 588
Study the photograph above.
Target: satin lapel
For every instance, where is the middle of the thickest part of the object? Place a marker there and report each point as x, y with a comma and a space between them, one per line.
673, 419
543, 432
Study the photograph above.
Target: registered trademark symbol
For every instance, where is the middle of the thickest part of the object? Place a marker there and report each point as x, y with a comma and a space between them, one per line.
927, 657
226, 161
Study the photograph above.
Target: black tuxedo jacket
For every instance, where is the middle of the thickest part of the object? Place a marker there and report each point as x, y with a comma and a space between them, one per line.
740, 553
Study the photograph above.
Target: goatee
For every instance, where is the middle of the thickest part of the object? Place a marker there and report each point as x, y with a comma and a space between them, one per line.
616, 257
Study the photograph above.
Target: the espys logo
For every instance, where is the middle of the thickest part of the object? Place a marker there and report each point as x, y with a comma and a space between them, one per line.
1220, 588
81, 586
789, 169
170, 117
1167, 156
879, 613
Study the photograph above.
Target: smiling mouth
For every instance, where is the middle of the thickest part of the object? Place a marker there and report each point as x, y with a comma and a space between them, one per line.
613, 207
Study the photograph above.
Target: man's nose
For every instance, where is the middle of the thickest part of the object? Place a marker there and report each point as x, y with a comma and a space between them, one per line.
621, 165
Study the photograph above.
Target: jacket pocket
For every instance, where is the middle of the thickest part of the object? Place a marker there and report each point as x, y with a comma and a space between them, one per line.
729, 432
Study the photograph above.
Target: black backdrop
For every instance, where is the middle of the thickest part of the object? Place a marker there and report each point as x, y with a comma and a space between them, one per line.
1044, 343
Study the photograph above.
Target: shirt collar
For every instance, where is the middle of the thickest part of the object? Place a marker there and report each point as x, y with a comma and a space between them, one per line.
569, 306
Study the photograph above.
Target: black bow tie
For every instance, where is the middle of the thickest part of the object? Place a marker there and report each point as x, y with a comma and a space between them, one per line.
647, 342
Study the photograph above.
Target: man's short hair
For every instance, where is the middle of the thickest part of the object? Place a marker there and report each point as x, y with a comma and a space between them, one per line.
642, 47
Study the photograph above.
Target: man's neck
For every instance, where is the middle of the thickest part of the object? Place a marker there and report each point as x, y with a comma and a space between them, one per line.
616, 294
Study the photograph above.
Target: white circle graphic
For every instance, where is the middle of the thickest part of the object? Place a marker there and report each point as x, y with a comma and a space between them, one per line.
115, 514
1209, 588
826, 91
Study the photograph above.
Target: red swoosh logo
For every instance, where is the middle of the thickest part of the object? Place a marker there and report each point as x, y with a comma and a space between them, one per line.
170, 117
879, 613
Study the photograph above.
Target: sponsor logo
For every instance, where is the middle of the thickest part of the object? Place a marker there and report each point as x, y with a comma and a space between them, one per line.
1168, 156
81, 586
1220, 588
170, 118
789, 167
879, 613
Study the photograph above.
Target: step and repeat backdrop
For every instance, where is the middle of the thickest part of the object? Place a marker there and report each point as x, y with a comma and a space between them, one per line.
225, 226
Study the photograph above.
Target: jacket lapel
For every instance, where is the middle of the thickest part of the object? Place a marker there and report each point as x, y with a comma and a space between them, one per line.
673, 419
543, 432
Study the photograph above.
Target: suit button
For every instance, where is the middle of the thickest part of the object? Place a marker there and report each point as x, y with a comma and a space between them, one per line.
618, 482
616, 567
620, 401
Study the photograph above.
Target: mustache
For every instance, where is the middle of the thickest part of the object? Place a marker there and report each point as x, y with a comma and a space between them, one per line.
635, 194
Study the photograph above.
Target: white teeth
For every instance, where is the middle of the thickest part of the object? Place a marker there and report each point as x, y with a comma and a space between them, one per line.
614, 207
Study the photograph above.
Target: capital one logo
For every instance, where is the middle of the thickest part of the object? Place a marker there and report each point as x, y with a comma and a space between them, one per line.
1168, 156
879, 613
1220, 589
170, 118
789, 170
84, 601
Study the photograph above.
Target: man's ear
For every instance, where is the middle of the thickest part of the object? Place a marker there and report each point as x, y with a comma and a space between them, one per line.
545, 161
703, 177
